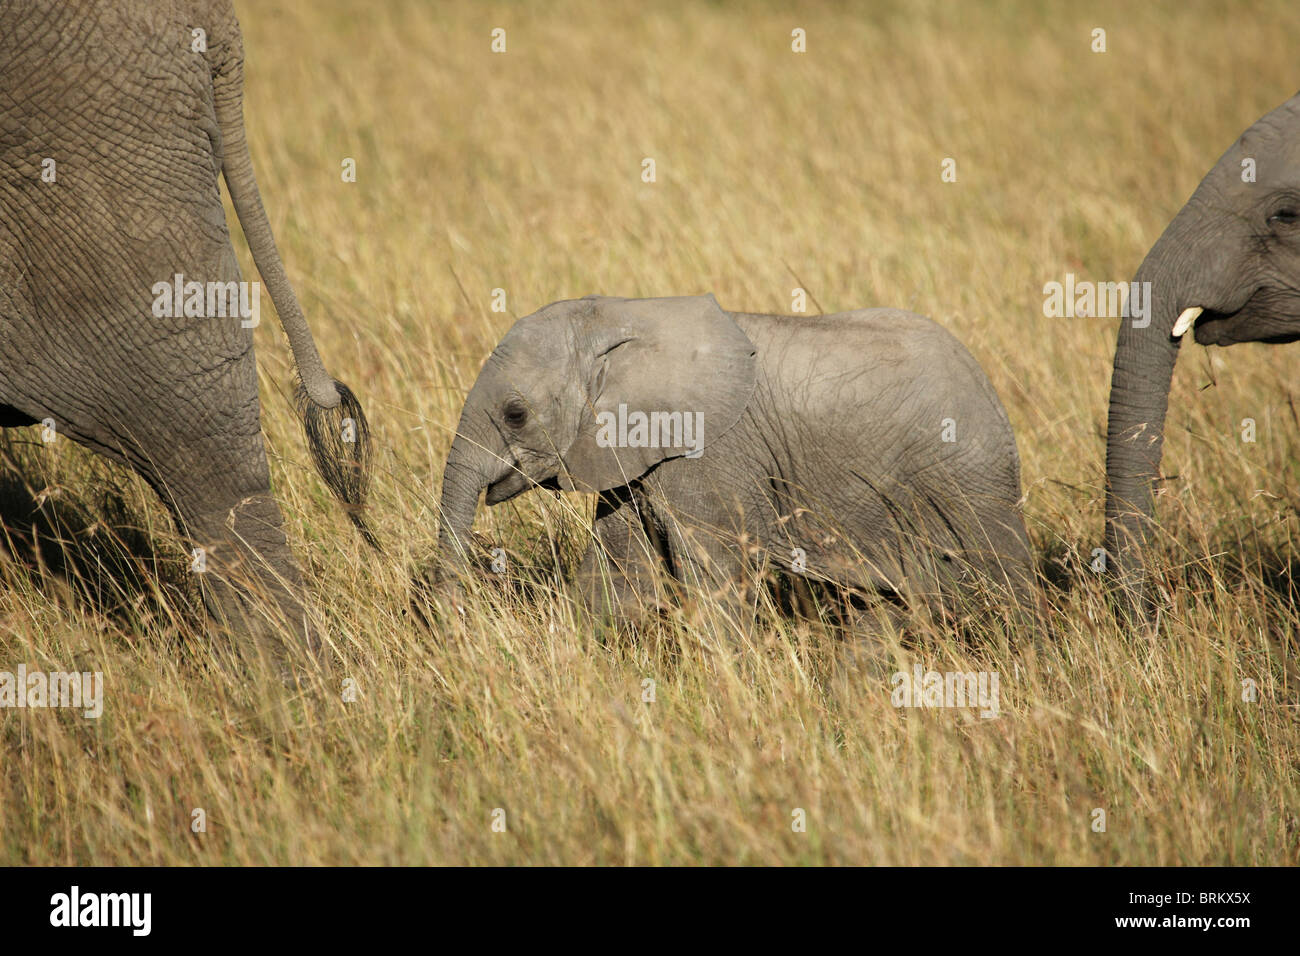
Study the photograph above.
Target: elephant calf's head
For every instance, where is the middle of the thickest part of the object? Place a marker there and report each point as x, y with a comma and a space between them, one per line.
590, 394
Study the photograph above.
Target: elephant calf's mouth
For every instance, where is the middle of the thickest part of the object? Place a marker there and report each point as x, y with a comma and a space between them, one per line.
516, 483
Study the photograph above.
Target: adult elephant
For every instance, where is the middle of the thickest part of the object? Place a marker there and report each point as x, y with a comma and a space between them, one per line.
1227, 269
865, 451
116, 122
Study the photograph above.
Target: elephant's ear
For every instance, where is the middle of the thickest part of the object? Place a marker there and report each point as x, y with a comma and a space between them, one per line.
665, 377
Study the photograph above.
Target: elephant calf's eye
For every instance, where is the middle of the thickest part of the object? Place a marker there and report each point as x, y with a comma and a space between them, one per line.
515, 413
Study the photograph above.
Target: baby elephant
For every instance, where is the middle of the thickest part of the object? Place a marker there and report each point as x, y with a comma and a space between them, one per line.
865, 451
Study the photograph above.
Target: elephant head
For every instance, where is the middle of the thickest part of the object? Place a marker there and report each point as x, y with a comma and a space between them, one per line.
1227, 268
540, 412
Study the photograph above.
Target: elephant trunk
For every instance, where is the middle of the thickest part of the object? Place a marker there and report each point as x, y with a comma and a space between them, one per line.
1181, 275
476, 459
1139, 402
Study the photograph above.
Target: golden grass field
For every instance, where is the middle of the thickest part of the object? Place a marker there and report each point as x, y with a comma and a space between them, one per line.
521, 171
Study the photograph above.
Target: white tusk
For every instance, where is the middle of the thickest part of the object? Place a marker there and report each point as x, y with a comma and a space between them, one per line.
1186, 319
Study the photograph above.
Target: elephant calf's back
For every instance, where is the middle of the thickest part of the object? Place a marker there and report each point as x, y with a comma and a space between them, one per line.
886, 385
902, 435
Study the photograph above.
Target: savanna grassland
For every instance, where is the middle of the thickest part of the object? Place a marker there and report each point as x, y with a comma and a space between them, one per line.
522, 172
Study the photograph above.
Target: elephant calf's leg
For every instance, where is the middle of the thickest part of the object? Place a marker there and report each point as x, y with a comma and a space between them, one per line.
619, 573
989, 577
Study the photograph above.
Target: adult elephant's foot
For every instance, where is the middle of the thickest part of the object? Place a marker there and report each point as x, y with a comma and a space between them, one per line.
251, 585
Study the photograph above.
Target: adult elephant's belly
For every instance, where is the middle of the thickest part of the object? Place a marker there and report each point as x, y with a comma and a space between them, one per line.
11, 417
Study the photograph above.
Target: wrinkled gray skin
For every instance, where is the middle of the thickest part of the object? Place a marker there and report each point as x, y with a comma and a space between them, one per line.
1234, 251
141, 127
824, 434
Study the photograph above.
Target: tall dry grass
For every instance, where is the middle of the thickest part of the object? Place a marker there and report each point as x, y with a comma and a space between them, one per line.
522, 172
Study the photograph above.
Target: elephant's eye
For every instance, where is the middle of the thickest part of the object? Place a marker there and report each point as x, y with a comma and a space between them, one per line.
515, 413
1286, 216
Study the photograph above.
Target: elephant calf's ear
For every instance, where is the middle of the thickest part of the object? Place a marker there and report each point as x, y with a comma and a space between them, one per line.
669, 376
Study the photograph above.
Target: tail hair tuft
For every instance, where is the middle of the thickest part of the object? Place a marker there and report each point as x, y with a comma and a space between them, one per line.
339, 441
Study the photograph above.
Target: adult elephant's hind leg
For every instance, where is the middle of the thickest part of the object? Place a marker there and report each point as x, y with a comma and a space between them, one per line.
251, 585
211, 470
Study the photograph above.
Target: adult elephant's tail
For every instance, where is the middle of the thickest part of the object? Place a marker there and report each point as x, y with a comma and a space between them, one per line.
334, 424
